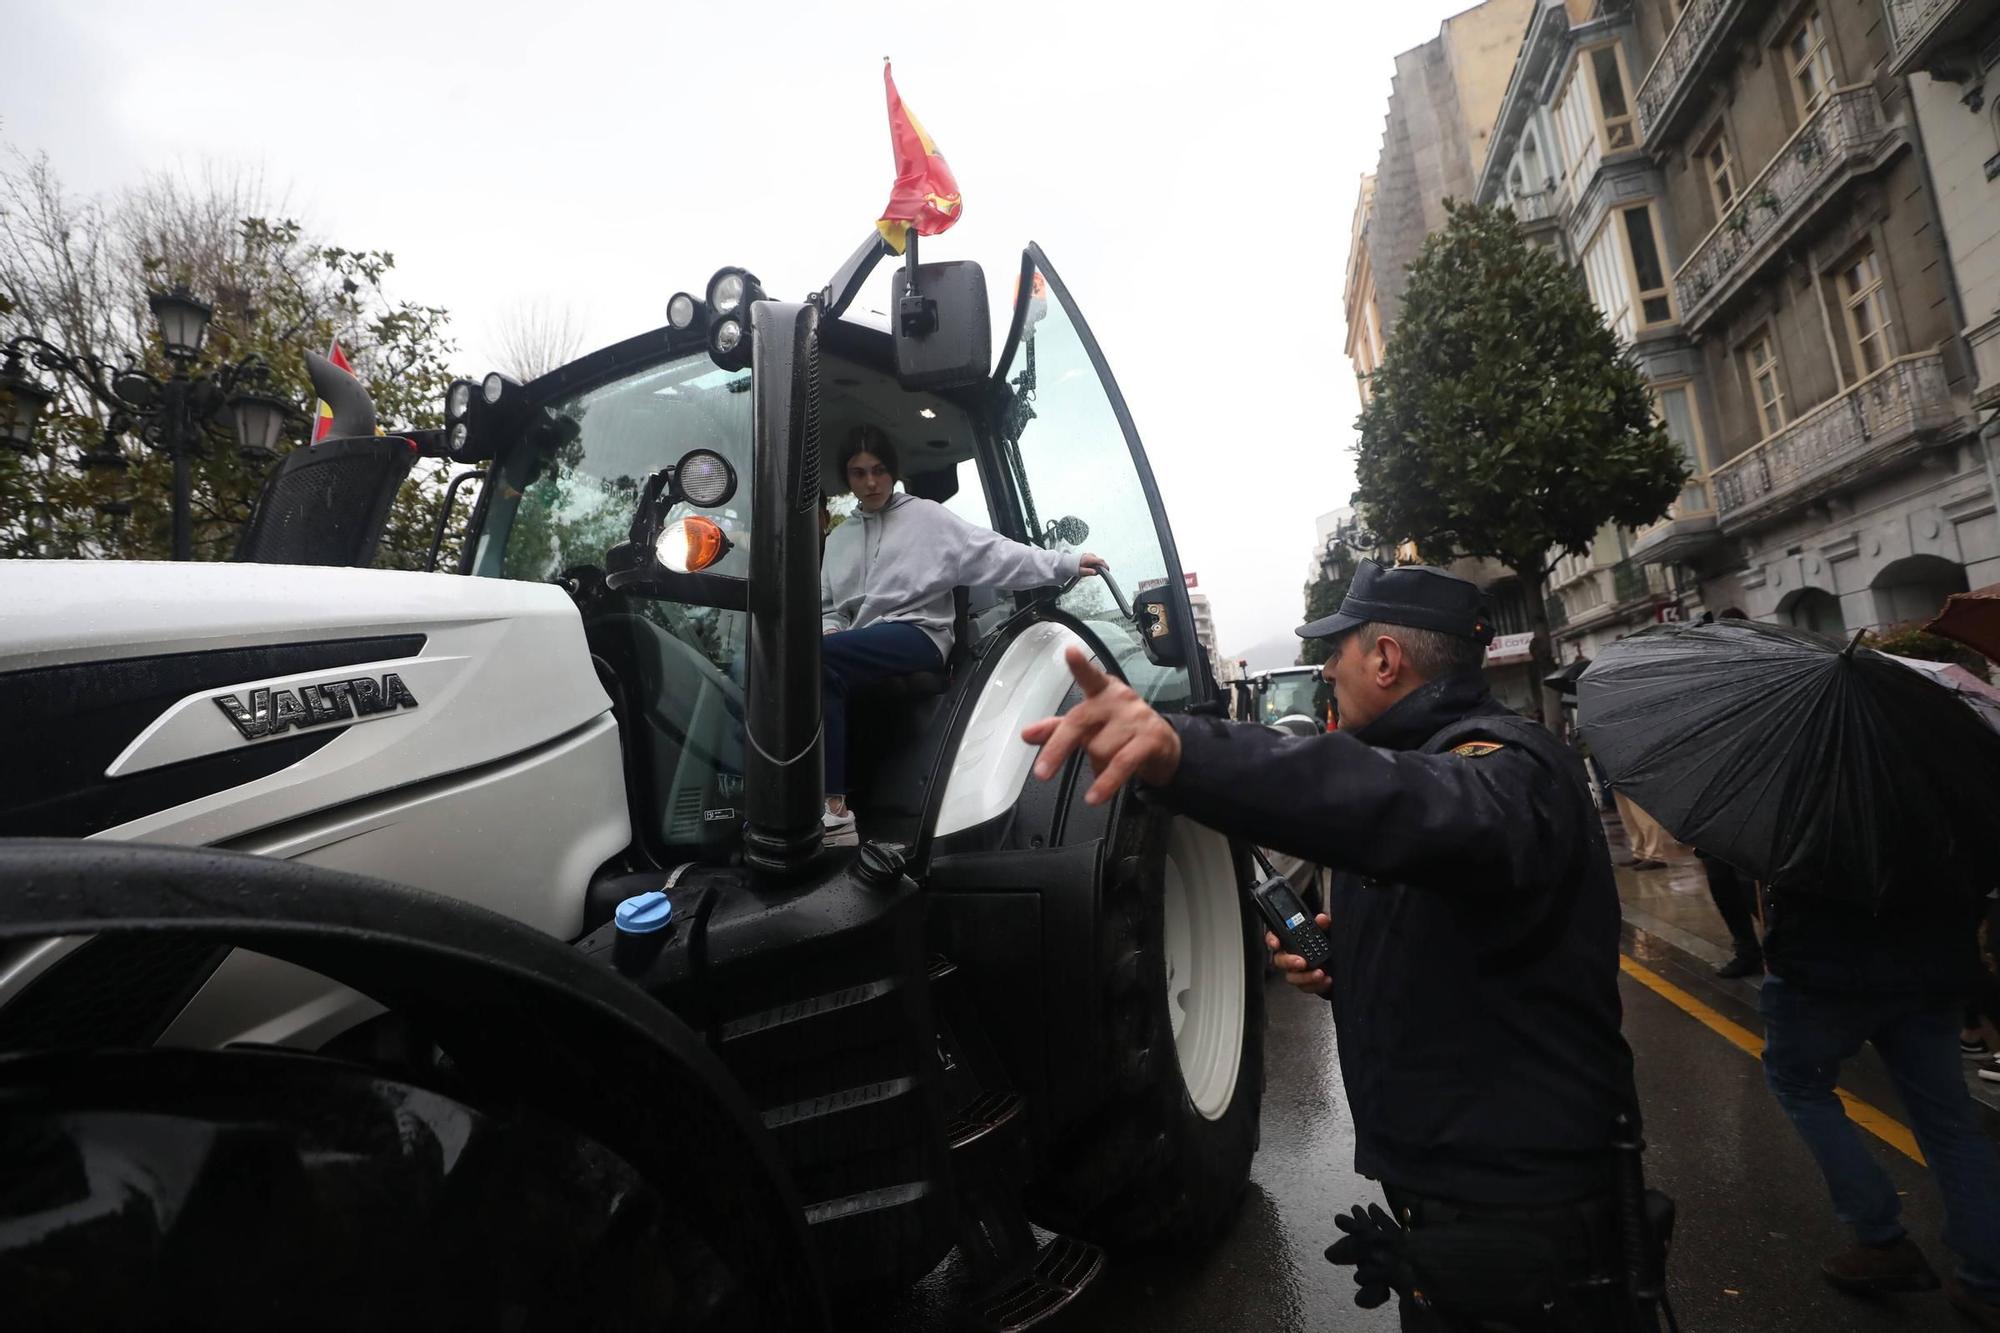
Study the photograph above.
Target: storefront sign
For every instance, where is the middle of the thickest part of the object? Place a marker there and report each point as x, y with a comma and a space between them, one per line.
1507, 648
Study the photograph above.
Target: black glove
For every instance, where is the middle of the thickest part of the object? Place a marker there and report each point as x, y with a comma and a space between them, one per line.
1482, 1269
1378, 1249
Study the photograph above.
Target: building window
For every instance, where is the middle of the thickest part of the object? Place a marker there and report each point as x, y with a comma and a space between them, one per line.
1533, 174
1614, 109
1719, 165
1810, 61
1676, 406
1867, 307
1649, 276
1762, 357
1610, 290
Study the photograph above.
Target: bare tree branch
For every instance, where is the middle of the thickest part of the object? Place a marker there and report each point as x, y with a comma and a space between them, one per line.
537, 336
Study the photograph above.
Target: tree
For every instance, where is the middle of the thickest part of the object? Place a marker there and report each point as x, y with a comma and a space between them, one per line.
1910, 640
1323, 597
1505, 420
537, 336
76, 271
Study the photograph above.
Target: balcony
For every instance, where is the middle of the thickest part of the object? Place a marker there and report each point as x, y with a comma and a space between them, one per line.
1846, 137
1686, 532
1531, 208
1935, 35
1666, 93
1629, 582
1887, 415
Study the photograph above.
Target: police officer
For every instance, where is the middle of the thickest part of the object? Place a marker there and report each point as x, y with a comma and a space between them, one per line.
1473, 914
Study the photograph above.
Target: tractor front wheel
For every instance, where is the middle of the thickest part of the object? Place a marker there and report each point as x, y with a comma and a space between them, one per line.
1165, 1160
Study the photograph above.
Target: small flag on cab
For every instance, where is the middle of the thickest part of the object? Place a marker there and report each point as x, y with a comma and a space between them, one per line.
925, 196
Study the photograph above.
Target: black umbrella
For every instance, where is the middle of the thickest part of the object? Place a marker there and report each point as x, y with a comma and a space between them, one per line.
1815, 767
1563, 680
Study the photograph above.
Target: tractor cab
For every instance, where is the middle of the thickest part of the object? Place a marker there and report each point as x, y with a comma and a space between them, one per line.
1295, 699
634, 477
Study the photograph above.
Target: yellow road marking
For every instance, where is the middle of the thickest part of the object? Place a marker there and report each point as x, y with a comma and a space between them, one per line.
1879, 1123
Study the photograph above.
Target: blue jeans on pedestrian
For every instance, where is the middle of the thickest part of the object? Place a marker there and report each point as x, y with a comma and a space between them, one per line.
1807, 1033
852, 658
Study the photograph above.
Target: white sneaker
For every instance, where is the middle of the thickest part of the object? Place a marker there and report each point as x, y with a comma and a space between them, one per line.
1989, 1069
839, 830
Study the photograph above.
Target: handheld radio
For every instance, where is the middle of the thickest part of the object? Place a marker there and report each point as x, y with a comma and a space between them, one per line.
1292, 921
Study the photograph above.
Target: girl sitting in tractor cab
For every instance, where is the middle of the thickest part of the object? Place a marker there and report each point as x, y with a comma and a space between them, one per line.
885, 592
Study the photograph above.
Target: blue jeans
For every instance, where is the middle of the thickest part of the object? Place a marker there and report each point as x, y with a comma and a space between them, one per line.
852, 658
1807, 1033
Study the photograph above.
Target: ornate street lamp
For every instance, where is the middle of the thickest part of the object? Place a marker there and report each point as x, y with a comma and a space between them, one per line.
183, 322
175, 415
260, 423
21, 402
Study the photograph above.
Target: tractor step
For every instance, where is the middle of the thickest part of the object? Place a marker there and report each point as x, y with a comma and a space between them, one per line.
1062, 1269
982, 1115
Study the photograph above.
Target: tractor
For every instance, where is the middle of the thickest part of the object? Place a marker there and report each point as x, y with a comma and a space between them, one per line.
464, 944
1292, 699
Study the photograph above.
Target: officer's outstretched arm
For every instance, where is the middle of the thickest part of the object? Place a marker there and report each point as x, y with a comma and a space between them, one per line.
1490, 819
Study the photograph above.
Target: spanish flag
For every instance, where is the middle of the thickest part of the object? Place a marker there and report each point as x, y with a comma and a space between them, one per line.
322, 412
926, 194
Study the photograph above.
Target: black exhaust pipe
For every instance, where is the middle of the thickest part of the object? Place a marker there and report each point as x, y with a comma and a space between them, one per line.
784, 779
353, 409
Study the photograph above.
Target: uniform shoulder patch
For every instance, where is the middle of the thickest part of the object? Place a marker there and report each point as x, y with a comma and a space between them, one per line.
1477, 749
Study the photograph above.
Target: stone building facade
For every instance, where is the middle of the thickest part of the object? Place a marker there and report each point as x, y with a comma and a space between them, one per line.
1441, 108
1787, 211
1366, 333
1844, 482
1949, 50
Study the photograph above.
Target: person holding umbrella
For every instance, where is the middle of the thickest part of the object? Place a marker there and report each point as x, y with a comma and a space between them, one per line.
1863, 796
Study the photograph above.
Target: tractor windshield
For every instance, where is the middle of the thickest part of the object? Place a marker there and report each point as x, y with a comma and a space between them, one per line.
565, 493
566, 499
1294, 694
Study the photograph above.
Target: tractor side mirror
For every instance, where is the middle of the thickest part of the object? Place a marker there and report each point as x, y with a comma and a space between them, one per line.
1157, 631
1068, 530
944, 338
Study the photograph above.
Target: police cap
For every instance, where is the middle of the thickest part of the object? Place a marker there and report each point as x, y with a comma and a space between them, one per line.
1420, 596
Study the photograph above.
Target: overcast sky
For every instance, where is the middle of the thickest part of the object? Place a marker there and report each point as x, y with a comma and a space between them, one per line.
1191, 172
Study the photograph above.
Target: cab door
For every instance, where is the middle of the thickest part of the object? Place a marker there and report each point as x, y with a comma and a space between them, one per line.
1070, 459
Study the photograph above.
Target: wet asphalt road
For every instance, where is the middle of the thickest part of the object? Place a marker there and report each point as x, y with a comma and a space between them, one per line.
1754, 1217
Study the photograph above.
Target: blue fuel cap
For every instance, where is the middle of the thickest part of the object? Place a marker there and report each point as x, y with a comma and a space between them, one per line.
645, 913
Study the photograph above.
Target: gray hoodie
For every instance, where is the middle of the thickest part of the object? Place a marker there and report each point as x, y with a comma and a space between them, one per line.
901, 563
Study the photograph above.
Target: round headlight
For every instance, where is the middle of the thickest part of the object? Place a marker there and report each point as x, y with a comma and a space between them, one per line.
728, 336
705, 478
459, 434
725, 294
492, 387
459, 400
690, 544
680, 311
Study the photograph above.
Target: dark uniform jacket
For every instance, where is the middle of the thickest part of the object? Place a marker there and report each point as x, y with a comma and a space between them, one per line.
1475, 934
